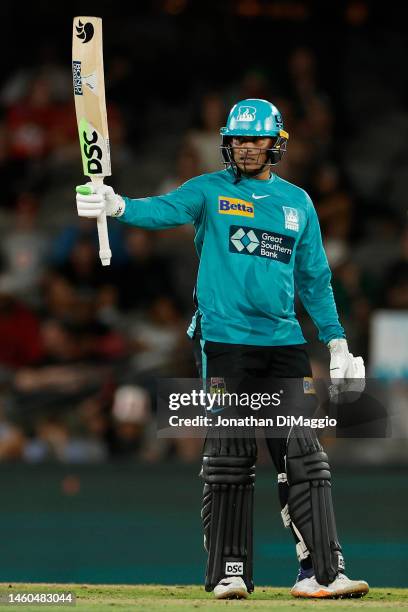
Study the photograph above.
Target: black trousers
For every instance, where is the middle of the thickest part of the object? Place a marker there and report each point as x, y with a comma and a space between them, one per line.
254, 367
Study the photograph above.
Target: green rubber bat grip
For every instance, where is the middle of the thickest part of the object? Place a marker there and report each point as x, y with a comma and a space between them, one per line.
84, 190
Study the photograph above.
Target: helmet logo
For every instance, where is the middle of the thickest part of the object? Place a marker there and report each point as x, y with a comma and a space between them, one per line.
246, 113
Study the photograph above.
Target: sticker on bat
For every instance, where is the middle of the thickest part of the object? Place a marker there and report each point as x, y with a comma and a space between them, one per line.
94, 149
85, 31
76, 75
91, 81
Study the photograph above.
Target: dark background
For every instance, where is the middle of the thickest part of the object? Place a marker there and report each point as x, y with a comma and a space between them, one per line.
82, 347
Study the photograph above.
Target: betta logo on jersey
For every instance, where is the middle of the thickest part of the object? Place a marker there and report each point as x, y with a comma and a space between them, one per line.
234, 206
85, 31
246, 113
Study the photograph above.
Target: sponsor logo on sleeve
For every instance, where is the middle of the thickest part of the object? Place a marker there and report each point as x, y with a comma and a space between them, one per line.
291, 218
261, 243
234, 206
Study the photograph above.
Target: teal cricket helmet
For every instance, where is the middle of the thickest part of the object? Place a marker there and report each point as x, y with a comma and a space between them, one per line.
258, 118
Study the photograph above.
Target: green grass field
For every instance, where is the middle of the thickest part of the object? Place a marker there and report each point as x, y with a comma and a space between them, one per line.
149, 598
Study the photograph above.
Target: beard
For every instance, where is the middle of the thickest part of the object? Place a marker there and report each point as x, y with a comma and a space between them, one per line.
242, 163
251, 171
254, 172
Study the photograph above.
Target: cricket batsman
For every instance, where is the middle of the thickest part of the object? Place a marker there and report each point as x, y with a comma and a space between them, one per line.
257, 237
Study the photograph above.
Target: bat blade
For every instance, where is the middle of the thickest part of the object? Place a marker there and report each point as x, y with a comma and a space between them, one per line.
89, 94
90, 107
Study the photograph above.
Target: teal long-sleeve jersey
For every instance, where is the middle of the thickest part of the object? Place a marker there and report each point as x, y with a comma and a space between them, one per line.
256, 241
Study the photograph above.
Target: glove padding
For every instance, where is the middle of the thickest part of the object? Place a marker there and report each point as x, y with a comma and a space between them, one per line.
92, 200
347, 373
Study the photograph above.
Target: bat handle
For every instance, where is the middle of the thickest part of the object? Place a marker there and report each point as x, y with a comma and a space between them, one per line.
105, 253
104, 249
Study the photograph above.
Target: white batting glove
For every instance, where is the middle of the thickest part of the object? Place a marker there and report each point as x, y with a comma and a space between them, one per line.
347, 372
92, 200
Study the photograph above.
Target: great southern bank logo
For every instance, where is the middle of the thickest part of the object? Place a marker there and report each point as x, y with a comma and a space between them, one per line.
246, 113
261, 243
245, 240
234, 206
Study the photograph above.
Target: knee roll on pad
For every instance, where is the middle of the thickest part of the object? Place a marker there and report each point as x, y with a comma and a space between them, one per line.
227, 509
310, 503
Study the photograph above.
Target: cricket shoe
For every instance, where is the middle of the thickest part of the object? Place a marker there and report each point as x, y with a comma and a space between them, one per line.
341, 587
231, 588
344, 587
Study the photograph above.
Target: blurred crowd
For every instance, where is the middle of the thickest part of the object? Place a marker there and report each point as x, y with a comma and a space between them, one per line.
82, 346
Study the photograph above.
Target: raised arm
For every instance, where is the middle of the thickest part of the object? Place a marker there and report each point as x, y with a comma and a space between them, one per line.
179, 207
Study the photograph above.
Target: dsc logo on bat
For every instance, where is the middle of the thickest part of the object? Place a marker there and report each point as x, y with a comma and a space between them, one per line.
93, 152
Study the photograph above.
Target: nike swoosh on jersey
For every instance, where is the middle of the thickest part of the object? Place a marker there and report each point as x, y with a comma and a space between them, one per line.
259, 197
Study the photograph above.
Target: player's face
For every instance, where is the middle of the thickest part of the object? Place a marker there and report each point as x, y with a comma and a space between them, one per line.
250, 152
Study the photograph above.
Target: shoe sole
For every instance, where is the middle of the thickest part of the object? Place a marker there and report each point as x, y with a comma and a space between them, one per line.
356, 592
235, 593
315, 595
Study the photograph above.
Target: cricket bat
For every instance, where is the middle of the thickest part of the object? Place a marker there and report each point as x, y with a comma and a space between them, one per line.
90, 107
